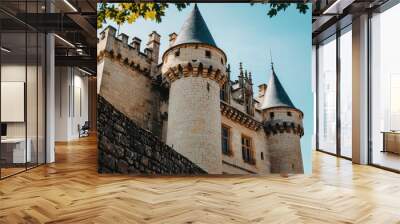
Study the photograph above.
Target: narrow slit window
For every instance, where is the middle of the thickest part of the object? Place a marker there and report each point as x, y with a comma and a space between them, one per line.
208, 54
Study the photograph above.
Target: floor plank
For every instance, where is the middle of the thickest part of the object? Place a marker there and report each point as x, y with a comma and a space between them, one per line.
71, 191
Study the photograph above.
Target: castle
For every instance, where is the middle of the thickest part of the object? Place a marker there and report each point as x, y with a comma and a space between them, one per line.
190, 102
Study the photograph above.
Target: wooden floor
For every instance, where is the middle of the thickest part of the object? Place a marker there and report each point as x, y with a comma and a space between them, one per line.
387, 159
5, 172
71, 191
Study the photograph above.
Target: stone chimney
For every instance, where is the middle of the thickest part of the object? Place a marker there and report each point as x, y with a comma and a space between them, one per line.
136, 43
154, 45
109, 30
172, 38
262, 89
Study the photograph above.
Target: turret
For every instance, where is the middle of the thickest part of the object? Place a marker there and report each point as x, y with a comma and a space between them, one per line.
283, 125
195, 68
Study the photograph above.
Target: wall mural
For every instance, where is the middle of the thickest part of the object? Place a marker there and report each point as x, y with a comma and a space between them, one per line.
177, 107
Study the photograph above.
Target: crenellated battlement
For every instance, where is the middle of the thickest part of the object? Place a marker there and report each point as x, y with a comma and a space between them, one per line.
195, 69
118, 47
275, 127
131, 64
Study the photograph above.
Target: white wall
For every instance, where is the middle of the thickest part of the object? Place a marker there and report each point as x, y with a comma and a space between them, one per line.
71, 102
16, 73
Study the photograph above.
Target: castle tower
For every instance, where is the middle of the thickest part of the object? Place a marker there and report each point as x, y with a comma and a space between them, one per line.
195, 68
283, 125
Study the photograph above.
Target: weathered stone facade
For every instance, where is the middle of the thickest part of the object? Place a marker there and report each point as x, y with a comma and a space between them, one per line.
192, 114
260, 145
187, 99
131, 91
126, 148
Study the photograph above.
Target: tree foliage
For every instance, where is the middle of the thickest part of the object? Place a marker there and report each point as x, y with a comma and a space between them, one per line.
129, 12
277, 7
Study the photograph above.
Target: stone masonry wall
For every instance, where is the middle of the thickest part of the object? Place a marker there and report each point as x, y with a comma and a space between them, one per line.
125, 79
259, 145
131, 93
194, 121
126, 148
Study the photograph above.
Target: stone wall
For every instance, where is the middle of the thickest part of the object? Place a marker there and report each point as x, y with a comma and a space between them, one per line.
125, 79
126, 148
132, 93
194, 121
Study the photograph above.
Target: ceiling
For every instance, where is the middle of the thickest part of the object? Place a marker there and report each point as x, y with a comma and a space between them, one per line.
73, 22
332, 15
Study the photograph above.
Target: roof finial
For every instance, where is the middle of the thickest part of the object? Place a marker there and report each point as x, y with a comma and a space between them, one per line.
272, 62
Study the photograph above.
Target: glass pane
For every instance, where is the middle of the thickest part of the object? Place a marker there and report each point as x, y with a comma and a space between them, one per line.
385, 83
327, 96
31, 98
13, 92
346, 94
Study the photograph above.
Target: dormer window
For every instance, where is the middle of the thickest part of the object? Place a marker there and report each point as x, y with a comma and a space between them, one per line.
177, 53
208, 54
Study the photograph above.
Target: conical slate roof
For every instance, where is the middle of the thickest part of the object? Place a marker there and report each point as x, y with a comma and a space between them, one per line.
276, 95
195, 30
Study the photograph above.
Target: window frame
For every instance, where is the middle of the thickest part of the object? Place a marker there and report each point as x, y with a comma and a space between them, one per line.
208, 54
229, 140
250, 158
337, 38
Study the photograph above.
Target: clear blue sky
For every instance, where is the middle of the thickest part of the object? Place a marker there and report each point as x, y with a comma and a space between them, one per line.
247, 34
